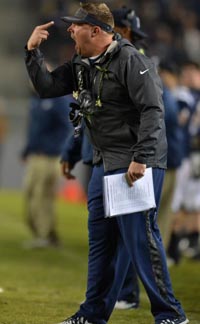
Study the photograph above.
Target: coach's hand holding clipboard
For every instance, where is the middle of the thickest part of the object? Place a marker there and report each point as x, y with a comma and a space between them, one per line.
121, 197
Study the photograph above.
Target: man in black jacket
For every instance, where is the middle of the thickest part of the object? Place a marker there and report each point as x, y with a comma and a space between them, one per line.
127, 24
120, 99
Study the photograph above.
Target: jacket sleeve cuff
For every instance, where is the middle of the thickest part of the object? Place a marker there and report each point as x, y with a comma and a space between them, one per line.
32, 55
139, 159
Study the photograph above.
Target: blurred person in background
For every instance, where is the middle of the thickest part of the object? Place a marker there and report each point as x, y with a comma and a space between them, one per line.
127, 24
191, 32
186, 202
175, 139
177, 129
3, 131
48, 129
75, 150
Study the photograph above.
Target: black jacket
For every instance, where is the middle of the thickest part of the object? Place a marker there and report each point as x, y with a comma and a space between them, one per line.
127, 120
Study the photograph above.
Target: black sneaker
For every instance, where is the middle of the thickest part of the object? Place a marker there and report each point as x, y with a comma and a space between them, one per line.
76, 319
178, 320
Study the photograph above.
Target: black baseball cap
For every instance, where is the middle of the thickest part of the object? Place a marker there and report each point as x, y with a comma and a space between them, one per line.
83, 17
125, 17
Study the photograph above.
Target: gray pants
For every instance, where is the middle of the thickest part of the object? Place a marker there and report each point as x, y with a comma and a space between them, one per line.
41, 179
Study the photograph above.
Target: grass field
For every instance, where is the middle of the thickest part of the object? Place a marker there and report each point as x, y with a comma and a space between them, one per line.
46, 286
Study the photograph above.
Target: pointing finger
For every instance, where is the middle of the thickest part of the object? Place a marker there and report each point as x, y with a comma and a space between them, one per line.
46, 26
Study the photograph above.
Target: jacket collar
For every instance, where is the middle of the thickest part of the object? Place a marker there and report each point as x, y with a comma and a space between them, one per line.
112, 49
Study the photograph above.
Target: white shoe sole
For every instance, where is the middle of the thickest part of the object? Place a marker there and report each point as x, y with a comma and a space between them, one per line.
124, 305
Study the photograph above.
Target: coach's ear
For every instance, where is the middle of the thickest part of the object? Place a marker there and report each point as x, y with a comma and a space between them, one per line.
95, 31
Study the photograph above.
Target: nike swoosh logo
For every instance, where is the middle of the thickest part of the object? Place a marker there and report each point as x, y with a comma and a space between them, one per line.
143, 72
